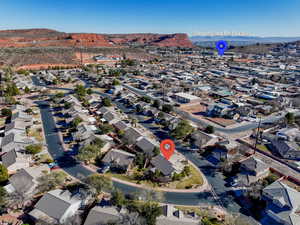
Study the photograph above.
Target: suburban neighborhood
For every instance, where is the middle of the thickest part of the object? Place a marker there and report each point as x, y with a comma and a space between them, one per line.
143, 128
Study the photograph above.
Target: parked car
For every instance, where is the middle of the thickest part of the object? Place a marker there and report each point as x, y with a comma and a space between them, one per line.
105, 168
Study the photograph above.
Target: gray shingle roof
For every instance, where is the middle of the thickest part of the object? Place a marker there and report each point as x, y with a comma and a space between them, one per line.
109, 116
102, 215
7, 139
55, 203
9, 158
21, 181
145, 145
131, 135
121, 125
163, 165
254, 164
288, 197
118, 157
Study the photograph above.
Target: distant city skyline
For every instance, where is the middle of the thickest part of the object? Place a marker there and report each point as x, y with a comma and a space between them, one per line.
245, 18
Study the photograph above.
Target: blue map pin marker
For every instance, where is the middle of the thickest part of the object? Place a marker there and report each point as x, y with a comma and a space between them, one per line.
221, 46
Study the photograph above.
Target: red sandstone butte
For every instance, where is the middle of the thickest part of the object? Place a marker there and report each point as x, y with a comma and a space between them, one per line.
47, 37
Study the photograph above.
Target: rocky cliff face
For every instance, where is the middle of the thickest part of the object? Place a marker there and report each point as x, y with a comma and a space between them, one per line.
46, 37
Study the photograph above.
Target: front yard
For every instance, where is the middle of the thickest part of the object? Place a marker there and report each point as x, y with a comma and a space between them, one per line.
194, 180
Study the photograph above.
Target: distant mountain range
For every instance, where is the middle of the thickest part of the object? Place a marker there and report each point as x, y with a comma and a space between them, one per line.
209, 41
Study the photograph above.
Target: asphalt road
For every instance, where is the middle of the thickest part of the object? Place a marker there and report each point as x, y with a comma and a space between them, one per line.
75, 169
241, 128
215, 179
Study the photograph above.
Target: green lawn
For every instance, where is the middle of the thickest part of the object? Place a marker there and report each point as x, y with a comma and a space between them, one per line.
195, 179
264, 148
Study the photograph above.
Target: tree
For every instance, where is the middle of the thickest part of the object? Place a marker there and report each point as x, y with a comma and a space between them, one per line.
67, 105
210, 129
88, 153
140, 160
167, 108
3, 199
146, 99
106, 128
118, 198
290, 118
156, 103
98, 142
34, 149
116, 82
98, 183
150, 211
134, 122
51, 181
27, 90
106, 102
89, 91
75, 122
29, 111
6, 112
80, 90
209, 221
182, 130
22, 71
10, 100
138, 108
59, 95
12, 90
156, 151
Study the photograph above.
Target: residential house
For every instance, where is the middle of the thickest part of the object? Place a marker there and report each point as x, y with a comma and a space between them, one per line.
56, 206
201, 139
15, 141
22, 116
71, 99
25, 180
102, 215
264, 109
118, 159
151, 111
224, 150
132, 135
83, 132
146, 145
17, 108
252, 169
285, 149
110, 117
182, 97
172, 124
16, 127
172, 216
217, 110
163, 165
283, 203
104, 110
289, 134
14, 160
108, 142
120, 125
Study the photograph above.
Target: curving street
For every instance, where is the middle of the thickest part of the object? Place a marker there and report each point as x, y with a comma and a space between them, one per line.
219, 196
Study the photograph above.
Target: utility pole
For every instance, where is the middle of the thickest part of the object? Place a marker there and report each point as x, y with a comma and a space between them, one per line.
257, 133
1, 91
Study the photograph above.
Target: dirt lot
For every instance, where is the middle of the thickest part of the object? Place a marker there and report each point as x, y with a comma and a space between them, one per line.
196, 109
221, 121
199, 110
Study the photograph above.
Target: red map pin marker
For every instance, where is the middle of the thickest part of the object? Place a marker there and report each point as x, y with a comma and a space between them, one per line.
167, 147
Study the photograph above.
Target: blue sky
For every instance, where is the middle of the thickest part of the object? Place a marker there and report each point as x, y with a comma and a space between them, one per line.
255, 17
